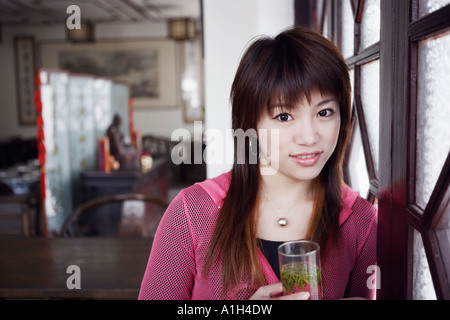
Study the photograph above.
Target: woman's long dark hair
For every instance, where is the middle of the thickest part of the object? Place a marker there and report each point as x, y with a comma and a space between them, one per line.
292, 65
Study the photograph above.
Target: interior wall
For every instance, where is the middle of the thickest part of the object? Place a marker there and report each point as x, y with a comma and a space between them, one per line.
229, 25
157, 121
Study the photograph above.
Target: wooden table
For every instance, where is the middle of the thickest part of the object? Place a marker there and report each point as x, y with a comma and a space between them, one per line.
36, 268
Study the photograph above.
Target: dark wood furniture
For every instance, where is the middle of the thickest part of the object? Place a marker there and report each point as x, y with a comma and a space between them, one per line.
20, 214
98, 184
36, 268
186, 172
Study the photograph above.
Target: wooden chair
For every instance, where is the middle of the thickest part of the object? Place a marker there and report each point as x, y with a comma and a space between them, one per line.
19, 214
126, 215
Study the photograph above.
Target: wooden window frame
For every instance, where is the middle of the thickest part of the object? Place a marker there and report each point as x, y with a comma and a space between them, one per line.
432, 222
398, 216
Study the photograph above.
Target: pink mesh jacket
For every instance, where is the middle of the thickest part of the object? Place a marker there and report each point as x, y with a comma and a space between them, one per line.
174, 269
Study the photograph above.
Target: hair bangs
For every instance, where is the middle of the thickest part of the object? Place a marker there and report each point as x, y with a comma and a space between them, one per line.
292, 73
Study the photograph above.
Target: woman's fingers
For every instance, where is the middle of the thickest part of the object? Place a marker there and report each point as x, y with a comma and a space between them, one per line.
267, 292
304, 295
274, 291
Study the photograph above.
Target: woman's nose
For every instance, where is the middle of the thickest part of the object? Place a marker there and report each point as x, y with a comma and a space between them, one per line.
306, 133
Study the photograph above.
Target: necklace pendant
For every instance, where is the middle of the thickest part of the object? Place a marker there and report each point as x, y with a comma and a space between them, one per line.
282, 222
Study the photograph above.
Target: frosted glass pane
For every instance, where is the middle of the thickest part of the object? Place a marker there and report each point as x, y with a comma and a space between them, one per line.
423, 288
370, 24
370, 99
428, 6
359, 178
348, 29
351, 73
433, 116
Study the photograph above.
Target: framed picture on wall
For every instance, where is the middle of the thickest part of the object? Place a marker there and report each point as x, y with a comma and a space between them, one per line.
148, 66
25, 74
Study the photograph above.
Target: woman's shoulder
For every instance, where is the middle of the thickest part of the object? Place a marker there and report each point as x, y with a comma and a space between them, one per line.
201, 200
216, 188
358, 221
355, 206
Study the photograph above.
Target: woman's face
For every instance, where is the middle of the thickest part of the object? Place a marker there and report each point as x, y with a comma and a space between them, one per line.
307, 136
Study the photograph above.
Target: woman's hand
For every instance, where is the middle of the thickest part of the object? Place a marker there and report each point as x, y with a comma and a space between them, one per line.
274, 292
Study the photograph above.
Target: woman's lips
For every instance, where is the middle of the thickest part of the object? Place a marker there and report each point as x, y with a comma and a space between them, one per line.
307, 159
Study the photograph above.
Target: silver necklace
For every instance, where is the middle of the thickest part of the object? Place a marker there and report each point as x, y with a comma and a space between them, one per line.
282, 221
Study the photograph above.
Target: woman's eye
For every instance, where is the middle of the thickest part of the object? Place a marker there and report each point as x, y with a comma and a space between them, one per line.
326, 113
284, 117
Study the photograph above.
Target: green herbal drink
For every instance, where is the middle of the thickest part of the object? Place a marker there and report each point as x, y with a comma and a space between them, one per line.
299, 276
300, 268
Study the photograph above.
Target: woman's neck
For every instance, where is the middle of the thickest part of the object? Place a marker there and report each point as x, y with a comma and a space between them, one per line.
285, 190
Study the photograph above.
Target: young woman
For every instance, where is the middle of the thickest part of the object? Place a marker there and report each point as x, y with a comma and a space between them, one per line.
218, 239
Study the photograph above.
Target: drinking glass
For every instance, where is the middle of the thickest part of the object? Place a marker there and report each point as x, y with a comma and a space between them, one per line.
300, 268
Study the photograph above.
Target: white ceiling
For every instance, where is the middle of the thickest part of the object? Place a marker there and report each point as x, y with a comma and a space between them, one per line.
13, 12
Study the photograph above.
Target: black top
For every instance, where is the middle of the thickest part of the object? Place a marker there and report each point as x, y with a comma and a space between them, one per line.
270, 251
